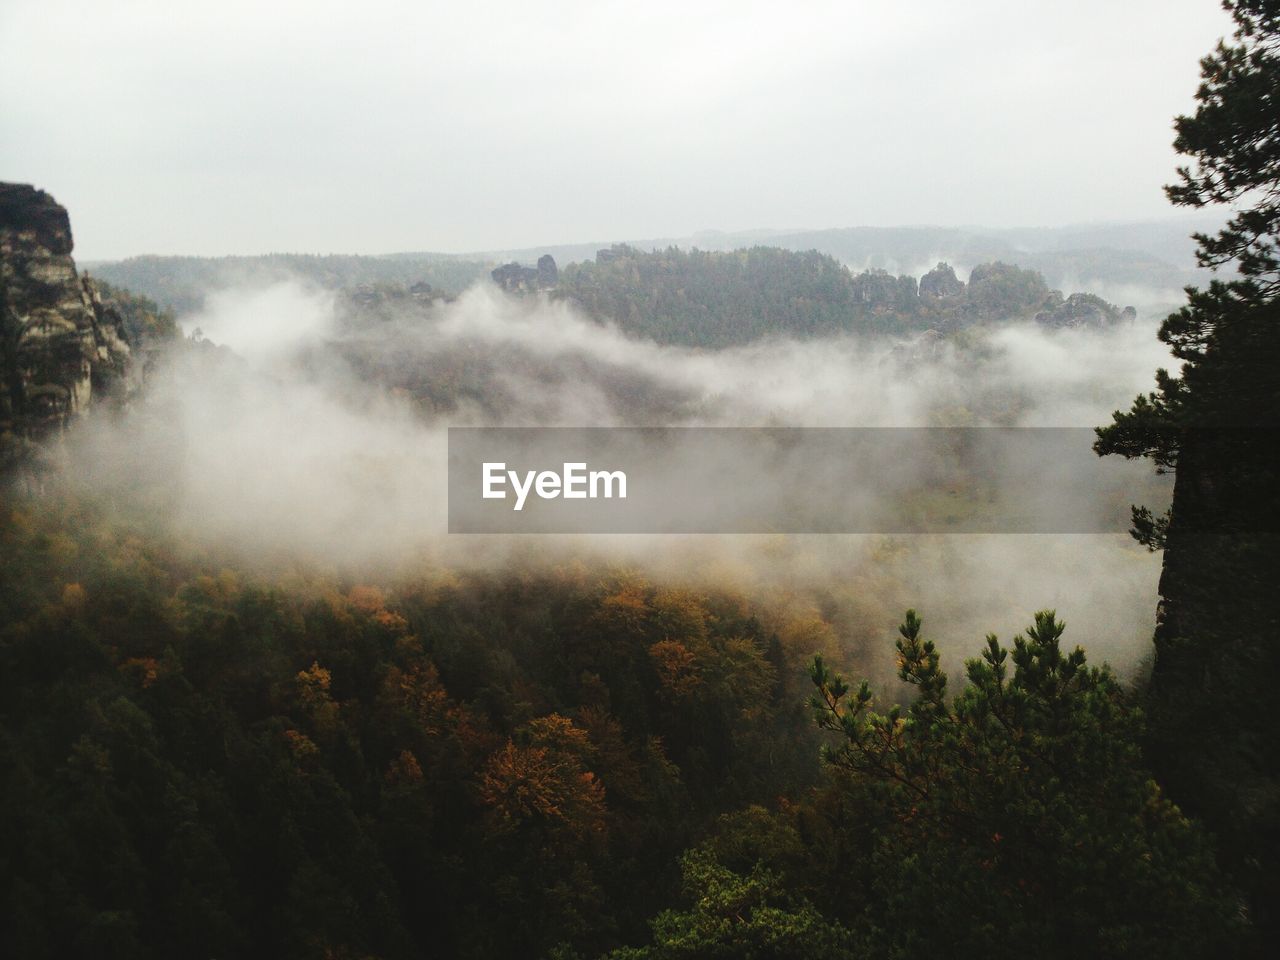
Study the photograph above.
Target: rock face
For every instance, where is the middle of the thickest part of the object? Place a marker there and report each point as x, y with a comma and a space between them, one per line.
61, 348
514, 278
940, 283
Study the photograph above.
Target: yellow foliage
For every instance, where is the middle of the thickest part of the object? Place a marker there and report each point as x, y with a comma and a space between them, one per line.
300, 745
368, 599
313, 683
313, 691
625, 609
808, 635
680, 614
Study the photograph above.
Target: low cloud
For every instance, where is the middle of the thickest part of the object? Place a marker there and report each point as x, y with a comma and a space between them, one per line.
316, 435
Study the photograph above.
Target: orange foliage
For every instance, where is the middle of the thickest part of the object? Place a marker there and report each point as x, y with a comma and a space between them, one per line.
404, 770
367, 599
143, 669
545, 781
677, 668
372, 602
559, 733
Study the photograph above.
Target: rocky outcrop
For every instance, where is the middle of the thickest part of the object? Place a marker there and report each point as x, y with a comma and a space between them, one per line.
62, 349
879, 289
940, 283
515, 278
1082, 310
1001, 291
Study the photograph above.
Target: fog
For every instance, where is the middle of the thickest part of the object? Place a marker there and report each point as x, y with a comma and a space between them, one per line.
289, 431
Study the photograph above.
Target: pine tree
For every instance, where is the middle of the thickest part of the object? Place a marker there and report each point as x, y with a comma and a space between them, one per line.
1016, 818
1214, 740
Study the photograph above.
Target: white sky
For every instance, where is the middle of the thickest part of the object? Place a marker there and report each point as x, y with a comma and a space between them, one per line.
247, 127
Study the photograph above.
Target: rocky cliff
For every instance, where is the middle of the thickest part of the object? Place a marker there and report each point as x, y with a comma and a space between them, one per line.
515, 278
62, 349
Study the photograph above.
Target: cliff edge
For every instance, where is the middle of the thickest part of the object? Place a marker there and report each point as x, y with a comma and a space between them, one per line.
62, 349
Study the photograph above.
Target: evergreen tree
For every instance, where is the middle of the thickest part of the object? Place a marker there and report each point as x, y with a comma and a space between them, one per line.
1214, 424
1016, 818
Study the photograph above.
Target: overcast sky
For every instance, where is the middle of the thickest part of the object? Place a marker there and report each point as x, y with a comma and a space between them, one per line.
370, 127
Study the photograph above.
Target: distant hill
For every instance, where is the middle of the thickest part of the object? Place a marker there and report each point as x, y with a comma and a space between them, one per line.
181, 283
1158, 255
1101, 259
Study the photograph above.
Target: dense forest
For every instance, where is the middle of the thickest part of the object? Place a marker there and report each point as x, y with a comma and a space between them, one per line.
672, 296
718, 299
1148, 256
200, 760
213, 748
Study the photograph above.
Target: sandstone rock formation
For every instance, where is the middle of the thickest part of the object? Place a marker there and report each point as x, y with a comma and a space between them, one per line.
1083, 310
940, 282
514, 278
62, 348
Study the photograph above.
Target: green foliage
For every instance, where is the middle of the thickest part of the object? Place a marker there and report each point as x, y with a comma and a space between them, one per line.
144, 320
1214, 423
1016, 817
1012, 819
997, 291
1226, 334
714, 299
739, 917
1232, 141
720, 299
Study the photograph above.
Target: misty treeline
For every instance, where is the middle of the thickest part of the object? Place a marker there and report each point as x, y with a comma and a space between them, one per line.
678, 296
718, 299
182, 284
